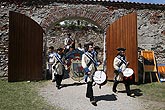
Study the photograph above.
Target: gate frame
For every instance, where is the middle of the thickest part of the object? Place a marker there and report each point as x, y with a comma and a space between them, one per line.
46, 26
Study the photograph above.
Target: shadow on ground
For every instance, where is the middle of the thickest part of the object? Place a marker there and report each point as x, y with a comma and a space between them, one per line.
108, 97
137, 92
73, 84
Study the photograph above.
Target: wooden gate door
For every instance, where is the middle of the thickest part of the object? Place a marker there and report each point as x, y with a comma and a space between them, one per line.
25, 48
122, 33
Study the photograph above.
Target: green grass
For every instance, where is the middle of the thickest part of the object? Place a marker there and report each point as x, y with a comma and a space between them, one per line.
153, 91
22, 96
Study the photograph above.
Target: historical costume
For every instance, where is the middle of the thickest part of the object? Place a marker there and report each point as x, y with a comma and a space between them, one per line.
50, 63
120, 63
69, 43
58, 67
89, 65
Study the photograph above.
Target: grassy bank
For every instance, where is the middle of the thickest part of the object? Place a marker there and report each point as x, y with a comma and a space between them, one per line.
22, 96
153, 91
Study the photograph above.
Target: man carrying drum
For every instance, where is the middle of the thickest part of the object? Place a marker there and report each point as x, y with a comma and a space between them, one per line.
120, 64
89, 64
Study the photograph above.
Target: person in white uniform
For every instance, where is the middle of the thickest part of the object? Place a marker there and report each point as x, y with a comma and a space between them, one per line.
50, 63
58, 67
89, 64
120, 63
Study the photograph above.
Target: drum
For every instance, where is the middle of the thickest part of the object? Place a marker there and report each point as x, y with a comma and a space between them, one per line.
128, 75
99, 77
128, 72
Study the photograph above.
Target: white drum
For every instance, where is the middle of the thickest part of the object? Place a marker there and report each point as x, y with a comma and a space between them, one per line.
99, 77
128, 72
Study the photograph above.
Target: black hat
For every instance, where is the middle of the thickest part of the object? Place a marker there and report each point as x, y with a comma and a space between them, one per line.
121, 49
51, 47
97, 48
69, 34
59, 49
90, 43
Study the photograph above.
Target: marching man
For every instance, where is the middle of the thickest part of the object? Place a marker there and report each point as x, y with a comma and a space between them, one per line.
58, 67
89, 64
120, 63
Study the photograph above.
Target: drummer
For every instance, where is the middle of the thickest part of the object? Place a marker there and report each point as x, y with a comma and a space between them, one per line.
89, 65
120, 63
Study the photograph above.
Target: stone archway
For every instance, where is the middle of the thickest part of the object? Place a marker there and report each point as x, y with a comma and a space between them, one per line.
97, 14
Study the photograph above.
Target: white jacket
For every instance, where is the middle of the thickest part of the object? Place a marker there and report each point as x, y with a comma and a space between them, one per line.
85, 62
57, 66
117, 63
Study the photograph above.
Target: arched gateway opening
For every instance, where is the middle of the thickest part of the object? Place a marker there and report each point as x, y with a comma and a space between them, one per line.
80, 31
95, 14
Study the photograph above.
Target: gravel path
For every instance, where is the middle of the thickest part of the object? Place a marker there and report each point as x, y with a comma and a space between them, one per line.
72, 97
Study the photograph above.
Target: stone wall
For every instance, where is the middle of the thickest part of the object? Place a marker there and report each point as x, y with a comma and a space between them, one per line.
151, 32
151, 29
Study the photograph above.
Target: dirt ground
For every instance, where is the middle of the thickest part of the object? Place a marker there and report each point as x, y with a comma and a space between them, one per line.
72, 97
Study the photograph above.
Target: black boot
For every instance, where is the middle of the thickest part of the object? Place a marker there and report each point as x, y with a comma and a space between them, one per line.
128, 91
115, 86
89, 92
93, 101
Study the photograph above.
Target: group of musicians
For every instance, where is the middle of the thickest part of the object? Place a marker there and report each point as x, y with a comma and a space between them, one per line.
89, 64
120, 63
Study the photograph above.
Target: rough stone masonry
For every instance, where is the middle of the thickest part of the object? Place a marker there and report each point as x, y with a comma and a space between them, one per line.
150, 26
